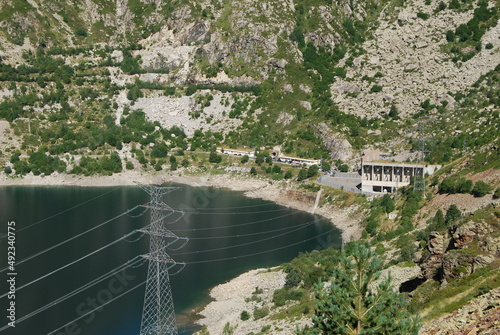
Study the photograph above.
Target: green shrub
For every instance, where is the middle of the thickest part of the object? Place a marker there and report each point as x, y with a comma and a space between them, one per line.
134, 93
452, 214
22, 167
298, 36
81, 32
277, 176
312, 171
481, 189
422, 15
464, 185
376, 88
244, 159
7, 170
259, 313
450, 36
191, 90
281, 296
214, 158
129, 165
344, 168
489, 46
302, 175
170, 90
387, 203
496, 195
244, 316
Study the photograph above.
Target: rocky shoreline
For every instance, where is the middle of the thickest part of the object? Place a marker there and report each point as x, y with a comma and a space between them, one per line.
252, 187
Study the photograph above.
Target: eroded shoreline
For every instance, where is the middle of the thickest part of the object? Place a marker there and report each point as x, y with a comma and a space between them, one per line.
277, 192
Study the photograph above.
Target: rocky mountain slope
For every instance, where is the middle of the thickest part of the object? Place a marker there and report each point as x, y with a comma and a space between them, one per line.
98, 86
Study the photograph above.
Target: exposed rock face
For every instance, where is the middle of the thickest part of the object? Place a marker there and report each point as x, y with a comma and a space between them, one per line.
480, 316
398, 275
338, 146
172, 111
473, 245
406, 51
285, 118
196, 32
437, 247
437, 243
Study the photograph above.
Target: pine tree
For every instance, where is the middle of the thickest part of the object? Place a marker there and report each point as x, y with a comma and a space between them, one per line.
452, 214
350, 306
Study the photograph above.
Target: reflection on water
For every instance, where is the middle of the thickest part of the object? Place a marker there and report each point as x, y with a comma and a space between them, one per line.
228, 234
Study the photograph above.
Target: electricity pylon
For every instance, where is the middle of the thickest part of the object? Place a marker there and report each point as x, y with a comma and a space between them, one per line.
158, 314
419, 180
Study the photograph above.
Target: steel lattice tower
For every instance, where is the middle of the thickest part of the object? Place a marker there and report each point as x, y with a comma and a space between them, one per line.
158, 315
419, 180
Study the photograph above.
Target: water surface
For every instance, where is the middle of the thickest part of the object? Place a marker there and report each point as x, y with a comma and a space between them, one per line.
228, 233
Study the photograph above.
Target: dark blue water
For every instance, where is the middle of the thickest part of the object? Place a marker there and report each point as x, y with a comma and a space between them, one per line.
229, 234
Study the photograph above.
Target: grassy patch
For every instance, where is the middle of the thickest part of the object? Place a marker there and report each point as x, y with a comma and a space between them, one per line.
458, 293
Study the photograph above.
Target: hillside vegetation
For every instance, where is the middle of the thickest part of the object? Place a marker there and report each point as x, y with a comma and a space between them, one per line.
99, 87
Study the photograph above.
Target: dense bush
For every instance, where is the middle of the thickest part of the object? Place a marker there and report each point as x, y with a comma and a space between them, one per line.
259, 313
387, 203
134, 93
344, 168
22, 167
302, 175
244, 316
312, 171
481, 189
452, 214
452, 185
422, 15
214, 158
40, 162
104, 165
281, 296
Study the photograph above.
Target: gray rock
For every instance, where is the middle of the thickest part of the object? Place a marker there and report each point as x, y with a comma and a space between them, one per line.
306, 105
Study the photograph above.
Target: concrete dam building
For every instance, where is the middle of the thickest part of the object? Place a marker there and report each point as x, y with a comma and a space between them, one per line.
384, 176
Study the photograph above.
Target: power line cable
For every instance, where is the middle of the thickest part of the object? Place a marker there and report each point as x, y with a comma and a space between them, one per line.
258, 253
221, 208
242, 244
71, 263
69, 239
302, 225
104, 304
235, 225
132, 209
101, 306
64, 211
82, 288
238, 213
184, 263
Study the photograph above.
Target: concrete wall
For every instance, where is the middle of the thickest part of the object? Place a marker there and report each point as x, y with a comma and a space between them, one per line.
385, 177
